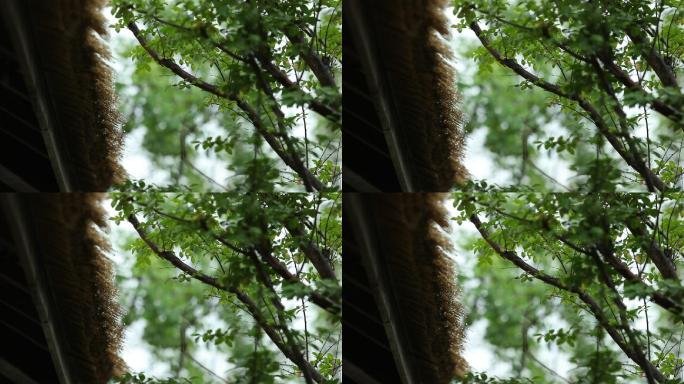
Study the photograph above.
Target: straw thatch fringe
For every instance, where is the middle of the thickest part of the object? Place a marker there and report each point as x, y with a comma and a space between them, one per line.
423, 82
414, 248
72, 55
82, 280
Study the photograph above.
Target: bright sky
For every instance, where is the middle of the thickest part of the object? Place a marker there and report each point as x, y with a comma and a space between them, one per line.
135, 161
478, 160
478, 352
135, 352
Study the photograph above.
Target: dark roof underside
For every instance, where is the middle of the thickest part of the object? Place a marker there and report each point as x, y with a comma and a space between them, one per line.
23, 349
367, 162
367, 352
21, 142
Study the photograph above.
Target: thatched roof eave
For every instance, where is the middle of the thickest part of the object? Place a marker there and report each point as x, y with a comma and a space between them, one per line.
58, 49
405, 61
412, 281
71, 282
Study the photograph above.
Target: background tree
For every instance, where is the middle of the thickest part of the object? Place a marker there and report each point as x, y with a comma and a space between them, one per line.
266, 72
605, 263
608, 69
256, 277
594, 86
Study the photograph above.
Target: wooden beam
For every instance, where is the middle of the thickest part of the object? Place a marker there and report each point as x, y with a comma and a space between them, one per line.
13, 282
357, 374
14, 374
357, 181
14, 181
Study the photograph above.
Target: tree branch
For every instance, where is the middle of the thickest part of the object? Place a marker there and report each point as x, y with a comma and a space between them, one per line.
312, 252
622, 121
280, 268
653, 58
278, 75
622, 312
623, 269
672, 113
280, 117
311, 58
649, 245
668, 303
330, 112
314, 296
